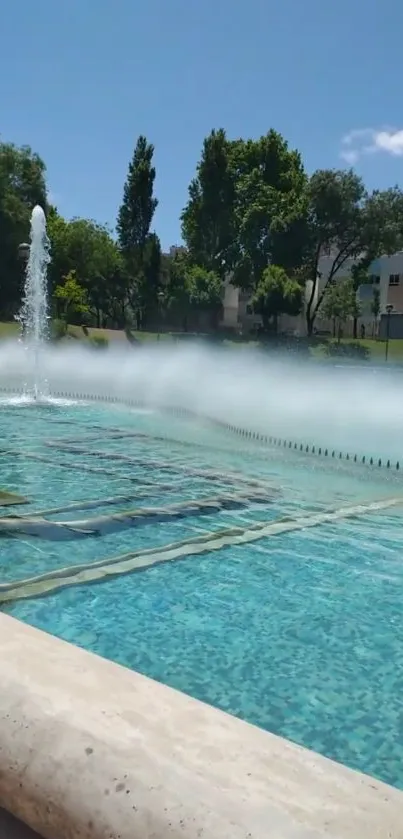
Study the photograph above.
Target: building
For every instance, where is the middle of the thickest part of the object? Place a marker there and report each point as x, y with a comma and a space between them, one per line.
385, 273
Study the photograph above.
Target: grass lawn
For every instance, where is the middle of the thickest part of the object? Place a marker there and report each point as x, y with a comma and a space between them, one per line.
9, 330
368, 349
354, 351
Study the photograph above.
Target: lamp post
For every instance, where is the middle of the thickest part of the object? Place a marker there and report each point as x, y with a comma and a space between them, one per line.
161, 300
389, 310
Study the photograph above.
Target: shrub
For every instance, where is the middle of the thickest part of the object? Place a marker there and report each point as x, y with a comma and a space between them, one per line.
99, 342
350, 350
58, 329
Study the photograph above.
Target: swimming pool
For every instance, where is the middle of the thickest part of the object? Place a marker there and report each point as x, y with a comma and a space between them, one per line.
259, 580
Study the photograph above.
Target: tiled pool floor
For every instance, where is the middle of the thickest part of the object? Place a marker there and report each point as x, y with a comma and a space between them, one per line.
298, 631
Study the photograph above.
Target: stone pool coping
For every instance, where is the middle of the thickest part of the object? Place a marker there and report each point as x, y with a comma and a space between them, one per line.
90, 749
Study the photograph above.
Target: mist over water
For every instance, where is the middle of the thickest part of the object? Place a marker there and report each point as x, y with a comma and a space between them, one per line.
357, 410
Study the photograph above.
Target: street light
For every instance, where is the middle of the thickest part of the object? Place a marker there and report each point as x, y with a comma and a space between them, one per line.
161, 300
389, 310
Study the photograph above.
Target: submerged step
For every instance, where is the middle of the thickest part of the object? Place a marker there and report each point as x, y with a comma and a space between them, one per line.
9, 499
102, 525
207, 543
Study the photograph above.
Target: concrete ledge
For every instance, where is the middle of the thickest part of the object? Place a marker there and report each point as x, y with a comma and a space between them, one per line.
11, 828
89, 749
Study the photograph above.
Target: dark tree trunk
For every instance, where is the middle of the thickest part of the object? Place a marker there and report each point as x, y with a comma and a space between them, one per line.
309, 325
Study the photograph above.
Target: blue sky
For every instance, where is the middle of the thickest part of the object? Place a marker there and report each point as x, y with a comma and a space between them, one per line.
80, 80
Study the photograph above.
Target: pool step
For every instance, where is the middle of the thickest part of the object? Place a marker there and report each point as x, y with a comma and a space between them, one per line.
10, 499
207, 543
103, 525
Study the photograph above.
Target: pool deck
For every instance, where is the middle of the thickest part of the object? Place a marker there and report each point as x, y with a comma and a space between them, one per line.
90, 749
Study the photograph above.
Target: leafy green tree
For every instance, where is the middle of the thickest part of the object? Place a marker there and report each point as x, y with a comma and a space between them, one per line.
276, 294
22, 185
339, 303
72, 297
192, 290
208, 220
139, 246
89, 249
268, 208
341, 219
204, 289
243, 210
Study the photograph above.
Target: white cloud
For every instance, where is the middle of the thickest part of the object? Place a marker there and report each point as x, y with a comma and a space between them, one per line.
365, 141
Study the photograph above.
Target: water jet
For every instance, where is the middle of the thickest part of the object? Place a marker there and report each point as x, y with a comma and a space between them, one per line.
33, 316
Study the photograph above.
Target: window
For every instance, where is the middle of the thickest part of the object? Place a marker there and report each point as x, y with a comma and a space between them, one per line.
375, 280
394, 279
249, 310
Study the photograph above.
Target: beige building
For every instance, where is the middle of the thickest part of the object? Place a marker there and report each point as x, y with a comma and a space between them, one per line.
386, 274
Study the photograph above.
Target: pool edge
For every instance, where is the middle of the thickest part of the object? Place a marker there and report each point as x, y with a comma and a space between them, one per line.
91, 749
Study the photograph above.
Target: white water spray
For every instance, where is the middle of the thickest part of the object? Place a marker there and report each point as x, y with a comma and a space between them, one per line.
34, 312
356, 411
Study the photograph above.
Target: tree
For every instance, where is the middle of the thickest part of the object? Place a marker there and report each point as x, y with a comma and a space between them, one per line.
268, 211
339, 303
376, 309
192, 290
73, 297
243, 208
22, 185
208, 223
204, 289
138, 244
276, 294
89, 249
345, 222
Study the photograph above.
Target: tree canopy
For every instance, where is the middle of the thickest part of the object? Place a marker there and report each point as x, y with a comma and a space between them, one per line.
22, 185
253, 216
276, 294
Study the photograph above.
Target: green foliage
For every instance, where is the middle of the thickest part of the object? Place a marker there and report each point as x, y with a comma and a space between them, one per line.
99, 342
252, 216
340, 303
192, 291
208, 220
22, 185
203, 288
58, 329
351, 350
342, 219
139, 246
276, 294
138, 206
88, 249
72, 296
243, 210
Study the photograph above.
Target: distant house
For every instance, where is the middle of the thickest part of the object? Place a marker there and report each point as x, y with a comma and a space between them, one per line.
385, 273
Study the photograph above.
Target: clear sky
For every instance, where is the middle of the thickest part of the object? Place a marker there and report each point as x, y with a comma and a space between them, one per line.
81, 79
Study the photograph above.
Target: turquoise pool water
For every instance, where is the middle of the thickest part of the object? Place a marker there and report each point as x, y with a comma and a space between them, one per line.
299, 633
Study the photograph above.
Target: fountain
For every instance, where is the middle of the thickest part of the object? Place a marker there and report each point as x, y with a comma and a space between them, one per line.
34, 312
